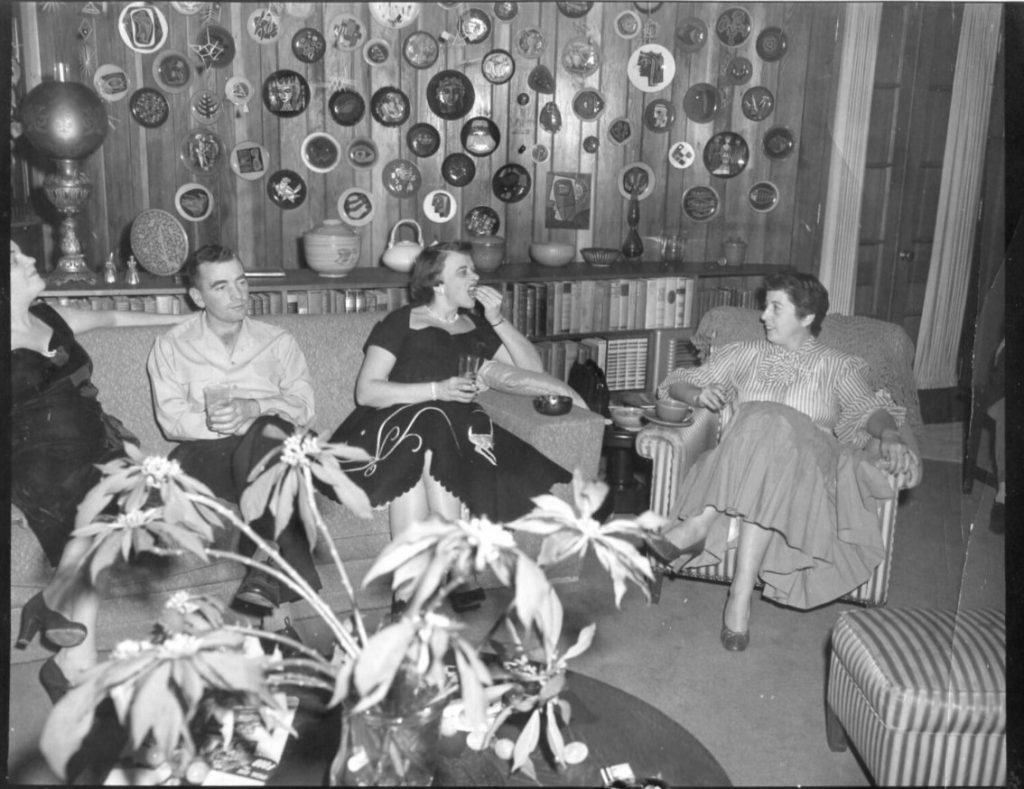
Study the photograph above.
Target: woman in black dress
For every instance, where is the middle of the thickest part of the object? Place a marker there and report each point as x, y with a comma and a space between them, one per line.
432, 446
58, 433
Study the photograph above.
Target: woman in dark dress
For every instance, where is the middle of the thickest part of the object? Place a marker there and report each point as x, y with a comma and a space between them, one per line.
432, 446
58, 433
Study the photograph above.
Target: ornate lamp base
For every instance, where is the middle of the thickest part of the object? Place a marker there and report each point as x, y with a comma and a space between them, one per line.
68, 189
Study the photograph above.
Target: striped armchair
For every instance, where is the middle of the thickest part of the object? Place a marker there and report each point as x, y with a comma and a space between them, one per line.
890, 357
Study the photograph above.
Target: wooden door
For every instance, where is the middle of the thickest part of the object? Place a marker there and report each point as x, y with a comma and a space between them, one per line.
909, 114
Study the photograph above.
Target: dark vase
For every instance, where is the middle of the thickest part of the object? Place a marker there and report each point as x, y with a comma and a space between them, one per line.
634, 247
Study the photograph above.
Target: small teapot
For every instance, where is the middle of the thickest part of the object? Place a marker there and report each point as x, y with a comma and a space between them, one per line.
399, 256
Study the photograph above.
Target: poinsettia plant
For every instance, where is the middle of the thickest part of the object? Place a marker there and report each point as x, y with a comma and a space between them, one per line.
160, 685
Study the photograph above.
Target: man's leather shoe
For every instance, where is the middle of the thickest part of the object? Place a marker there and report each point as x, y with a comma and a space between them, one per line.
259, 590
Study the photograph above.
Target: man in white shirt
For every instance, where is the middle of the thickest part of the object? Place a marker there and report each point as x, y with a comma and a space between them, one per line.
270, 388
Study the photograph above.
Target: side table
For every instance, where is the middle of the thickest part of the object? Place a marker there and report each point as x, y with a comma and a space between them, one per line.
627, 495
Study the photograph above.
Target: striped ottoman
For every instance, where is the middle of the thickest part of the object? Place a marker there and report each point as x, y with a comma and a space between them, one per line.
921, 695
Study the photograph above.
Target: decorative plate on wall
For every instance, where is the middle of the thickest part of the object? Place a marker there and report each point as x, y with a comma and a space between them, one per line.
581, 56
758, 103
401, 178
506, 12
201, 151
143, 28
159, 242
620, 130
733, 26
450, 94
389, 106
194, 202
264, 26
346, 107
700, 203
420, 49
480, 136
636, 178
458, 169
529, 43
778, 142
355, 206
692, 34
238, 90
286, 93
628, 24
651, 67
541, 80
149, 107
439, 206
215, 46
511, 183
771, 44
172, 71
481, 221
362, 152
574, 10
763, 196
286, 189
498, 66
659, 115
423, 139
540, 153
474, 25
726, 154
700, 103
346, 32
739, 71
681, 155
111, 82
309, 45
249, 160
588, 104
205, 106
591, 143
377, 52
395, 15
320, 152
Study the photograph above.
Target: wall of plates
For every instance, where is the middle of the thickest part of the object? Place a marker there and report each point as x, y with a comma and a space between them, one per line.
250, 123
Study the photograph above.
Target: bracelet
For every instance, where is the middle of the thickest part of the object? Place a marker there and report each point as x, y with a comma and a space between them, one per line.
495, 325
433, 390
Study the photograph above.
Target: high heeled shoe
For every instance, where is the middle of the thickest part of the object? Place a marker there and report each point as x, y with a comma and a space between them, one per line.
732, 640
36, 615
53, 680
668, 554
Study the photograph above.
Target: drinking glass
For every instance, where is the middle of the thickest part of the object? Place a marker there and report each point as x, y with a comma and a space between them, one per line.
469, 364
216, 395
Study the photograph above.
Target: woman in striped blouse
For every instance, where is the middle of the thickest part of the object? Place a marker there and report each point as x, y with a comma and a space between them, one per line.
792, 463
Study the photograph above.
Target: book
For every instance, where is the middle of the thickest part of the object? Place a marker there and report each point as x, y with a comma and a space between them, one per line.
587, 305
600, 305
566, 307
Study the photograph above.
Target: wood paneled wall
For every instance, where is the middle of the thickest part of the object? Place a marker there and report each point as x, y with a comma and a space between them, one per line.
139, 168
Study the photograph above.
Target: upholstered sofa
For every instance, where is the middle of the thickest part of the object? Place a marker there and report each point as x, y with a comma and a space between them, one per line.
889, 353
333, 348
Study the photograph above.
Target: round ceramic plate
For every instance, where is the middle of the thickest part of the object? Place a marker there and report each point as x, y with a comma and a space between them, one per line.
389, 106
636, 178
733, 26
581, 57
346, 32
346, 107
205, 106
686, 421
111, 82
620, 130
701, 101
264, 26
726, 154
159, 242
194, 202
172, 71
681, 155
355, 206
480, 136
401, 178
511, 183
249, 160
574, 10
149, 107
659, 115
439, 206
201, 151
591, 143
474, 25
506, 12
143, 27
309, 45
423, 139
286, 93
458, 169
286, 189
481, 221
588, 104
700, 203
758, 103
362, 152
771, 44
651, 67
763, 196
540, 153
238, 90
739, 71
376, 52
778, 142
541, 80
395, 15
420, 49
320, 152
215, 46
529, 43
628, 24
450, 94
498, 66
691, 34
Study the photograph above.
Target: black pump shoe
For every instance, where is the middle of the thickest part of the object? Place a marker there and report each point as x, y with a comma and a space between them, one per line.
36, 615
53, 680
668, 554
466, 598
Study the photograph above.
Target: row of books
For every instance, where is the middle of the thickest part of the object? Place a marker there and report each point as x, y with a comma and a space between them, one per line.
162, 304
709, 297
623, 359
544, 309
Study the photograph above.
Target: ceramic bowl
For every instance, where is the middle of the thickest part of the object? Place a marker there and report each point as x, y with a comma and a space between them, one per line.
551, 253
601, 256
670, 410
626, 416
553, 405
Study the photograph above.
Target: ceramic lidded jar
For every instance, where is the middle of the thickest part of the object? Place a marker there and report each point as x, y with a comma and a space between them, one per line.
488, 252
332, 248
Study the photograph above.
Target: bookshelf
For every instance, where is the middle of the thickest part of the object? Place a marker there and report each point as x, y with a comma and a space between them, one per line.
609, 312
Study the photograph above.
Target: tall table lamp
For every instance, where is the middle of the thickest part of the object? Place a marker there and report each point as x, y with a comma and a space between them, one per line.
65, 121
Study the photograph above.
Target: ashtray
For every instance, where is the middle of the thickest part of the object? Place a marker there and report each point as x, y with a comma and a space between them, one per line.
553, 405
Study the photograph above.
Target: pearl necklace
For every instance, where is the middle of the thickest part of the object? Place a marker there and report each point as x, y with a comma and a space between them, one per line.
437, 317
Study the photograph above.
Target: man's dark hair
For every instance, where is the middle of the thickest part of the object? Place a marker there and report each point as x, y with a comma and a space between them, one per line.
805, 291
210, 253
426, 270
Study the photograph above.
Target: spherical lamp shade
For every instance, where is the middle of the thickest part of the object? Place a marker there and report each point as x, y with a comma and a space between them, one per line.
63, 120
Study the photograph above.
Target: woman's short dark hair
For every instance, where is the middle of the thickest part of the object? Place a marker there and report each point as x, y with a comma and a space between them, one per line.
210, 253
805, 291
427, 268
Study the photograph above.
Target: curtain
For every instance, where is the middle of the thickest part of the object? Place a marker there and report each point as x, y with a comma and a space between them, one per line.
956, 218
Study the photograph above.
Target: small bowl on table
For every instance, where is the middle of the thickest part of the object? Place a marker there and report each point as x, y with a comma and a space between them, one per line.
552, 253
552, 404
671, 410
601, 256
626, 417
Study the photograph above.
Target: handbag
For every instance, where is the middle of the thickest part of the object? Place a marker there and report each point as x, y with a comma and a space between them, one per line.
588, 379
